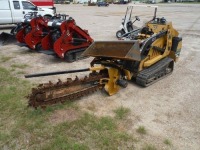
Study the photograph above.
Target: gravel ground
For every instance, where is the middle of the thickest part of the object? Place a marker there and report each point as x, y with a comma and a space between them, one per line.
169, 109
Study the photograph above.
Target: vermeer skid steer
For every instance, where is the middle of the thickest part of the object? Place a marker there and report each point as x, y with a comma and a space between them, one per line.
146, 60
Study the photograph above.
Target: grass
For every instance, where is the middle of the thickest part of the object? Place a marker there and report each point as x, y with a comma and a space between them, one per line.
20, 66
21, 72
11, 92
121, 112
90, 131
149, 147
5, 58
141, 130
26, 128
167, 142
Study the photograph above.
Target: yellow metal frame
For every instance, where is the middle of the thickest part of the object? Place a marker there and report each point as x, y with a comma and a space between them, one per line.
154, 55
111, 86
164, 45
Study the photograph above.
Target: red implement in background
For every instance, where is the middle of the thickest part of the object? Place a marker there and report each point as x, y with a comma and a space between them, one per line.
38, 32
67, 40
58, 36
25, 28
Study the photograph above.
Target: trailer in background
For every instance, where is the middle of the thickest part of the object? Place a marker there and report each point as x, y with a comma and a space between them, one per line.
43, 3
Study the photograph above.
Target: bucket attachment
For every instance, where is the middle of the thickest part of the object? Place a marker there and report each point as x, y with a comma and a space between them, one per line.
7, 38
127, 50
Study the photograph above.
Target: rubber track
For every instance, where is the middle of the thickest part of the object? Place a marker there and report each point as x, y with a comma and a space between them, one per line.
154, 73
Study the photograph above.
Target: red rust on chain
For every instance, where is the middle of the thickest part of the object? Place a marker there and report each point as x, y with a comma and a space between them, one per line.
50, 94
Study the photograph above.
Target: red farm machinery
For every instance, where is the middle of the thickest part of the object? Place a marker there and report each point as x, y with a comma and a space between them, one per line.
58, 35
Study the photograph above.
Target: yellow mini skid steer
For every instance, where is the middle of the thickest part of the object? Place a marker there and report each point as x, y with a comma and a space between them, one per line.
147, 59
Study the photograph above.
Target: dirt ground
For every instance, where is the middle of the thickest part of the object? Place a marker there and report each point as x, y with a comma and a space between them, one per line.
168, 109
